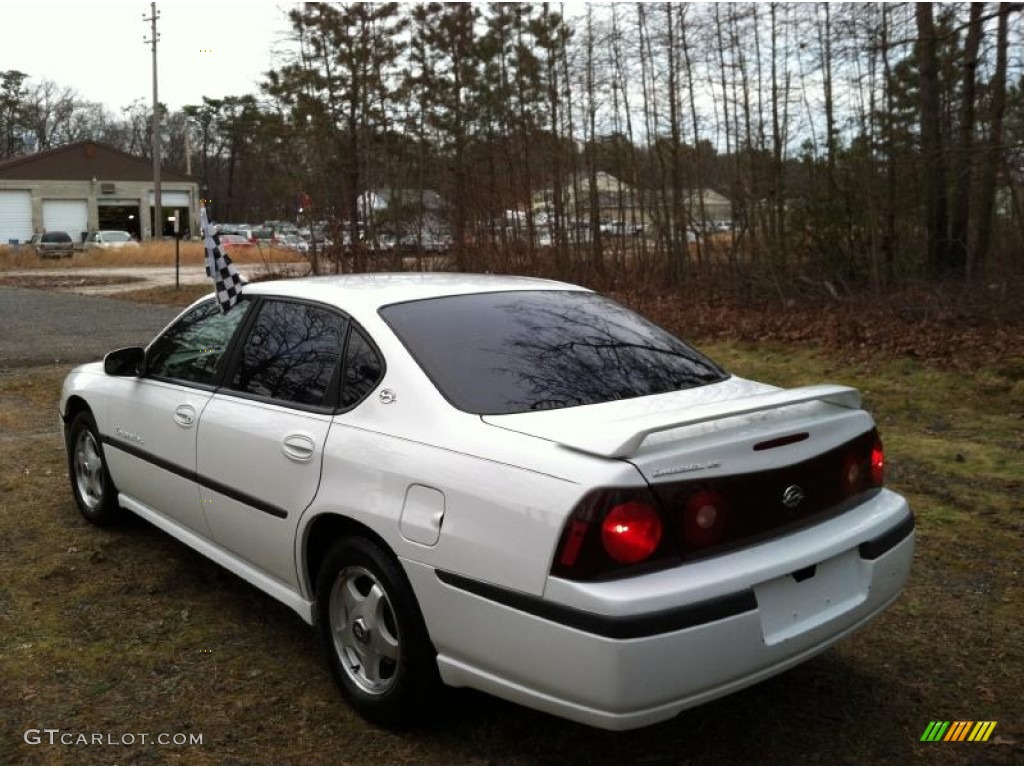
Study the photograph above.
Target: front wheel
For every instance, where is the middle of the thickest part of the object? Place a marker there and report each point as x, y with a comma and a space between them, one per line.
374, 635
90, 481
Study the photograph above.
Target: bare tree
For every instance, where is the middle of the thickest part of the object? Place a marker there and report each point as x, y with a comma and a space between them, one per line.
964, 156
936, 212
994, 147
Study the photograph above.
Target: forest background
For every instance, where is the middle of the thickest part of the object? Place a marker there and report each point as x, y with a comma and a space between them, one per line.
857, 145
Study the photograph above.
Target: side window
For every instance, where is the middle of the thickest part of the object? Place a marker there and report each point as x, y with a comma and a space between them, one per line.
191, 349
291, 353
363, 370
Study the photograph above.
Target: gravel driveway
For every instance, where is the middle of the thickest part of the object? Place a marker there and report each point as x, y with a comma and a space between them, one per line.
45, 327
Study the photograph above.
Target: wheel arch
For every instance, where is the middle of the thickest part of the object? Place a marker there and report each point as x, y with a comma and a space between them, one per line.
318, 536
75, 405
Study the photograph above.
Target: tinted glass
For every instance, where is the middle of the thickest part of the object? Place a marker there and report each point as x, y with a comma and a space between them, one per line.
191, 349
363, 369
291, 353
56, 237
519, 351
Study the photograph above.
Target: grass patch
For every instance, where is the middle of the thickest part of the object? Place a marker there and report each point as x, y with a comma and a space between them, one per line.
125, 630
147, 254
949, 438
166, 294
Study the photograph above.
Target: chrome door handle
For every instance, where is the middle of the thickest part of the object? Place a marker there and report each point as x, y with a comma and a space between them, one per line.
298, 447
185, 415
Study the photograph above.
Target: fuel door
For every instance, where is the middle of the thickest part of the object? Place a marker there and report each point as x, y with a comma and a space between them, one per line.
422, 515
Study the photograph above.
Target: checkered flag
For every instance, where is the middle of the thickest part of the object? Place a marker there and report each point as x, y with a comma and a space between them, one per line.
226, 280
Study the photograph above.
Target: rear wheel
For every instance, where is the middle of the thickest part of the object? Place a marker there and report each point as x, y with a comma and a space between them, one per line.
87, 467
373, 633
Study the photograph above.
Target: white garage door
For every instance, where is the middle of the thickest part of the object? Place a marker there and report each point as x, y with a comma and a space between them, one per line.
71, 216
170, 199
15, 216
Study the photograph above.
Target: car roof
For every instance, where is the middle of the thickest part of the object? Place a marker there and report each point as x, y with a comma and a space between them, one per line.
369, 292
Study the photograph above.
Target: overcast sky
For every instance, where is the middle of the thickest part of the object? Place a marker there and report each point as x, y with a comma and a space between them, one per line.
206, 48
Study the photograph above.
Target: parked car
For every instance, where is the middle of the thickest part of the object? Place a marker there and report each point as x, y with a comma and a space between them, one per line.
106, 239
231, 243
292, 243
52, 244
384, 243
426, 243
263, 236
242, 230
510, 484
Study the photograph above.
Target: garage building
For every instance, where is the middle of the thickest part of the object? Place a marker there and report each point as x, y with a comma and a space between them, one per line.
82, 187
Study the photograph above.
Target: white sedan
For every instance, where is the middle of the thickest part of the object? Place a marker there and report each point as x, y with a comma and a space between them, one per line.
509, 484
107, 239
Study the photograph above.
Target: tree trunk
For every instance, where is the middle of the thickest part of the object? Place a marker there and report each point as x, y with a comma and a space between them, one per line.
964, 162
936, 215
889, 226
679, 253
993, 152
699, 182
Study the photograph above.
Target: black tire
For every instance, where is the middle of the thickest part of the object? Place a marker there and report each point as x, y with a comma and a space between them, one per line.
91, 485
373, 633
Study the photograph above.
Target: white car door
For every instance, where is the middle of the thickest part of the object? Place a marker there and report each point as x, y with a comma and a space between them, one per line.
150, 440
151, 448
261, 437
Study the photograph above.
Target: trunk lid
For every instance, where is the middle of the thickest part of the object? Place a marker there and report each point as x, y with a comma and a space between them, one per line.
729, 463
638, 429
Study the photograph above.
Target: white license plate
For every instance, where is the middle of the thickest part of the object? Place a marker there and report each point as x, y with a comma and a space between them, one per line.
789, 607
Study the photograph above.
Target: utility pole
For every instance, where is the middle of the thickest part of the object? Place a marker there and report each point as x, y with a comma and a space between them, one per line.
158, 224
188, 150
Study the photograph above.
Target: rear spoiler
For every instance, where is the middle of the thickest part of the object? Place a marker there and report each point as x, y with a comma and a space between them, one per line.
623, 438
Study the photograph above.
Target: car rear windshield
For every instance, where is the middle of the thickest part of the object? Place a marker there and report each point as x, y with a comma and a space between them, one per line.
116, 237
56, 237
511, 352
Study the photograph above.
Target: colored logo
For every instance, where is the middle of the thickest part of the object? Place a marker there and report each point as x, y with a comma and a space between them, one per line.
958, 730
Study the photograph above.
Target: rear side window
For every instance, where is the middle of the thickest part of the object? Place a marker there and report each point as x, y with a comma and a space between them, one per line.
512, 352
291, 353
363, 369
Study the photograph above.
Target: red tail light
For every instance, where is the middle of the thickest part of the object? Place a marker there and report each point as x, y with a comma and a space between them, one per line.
613, 532
631, 532
852, 477
705, 519
863, 466
571, 547
877, 462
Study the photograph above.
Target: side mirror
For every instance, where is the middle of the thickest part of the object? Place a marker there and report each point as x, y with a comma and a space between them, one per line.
128, 361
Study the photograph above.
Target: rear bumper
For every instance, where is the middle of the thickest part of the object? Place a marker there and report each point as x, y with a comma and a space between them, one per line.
629, 653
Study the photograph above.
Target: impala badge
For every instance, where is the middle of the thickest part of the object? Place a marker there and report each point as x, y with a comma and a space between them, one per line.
792, 497
128, 436
685, 468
